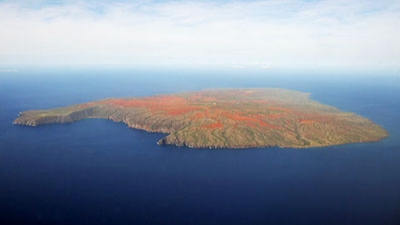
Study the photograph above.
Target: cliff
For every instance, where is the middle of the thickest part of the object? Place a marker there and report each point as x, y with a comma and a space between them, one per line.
225, 118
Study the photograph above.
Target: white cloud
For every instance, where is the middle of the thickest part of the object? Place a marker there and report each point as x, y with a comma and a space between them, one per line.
286, 33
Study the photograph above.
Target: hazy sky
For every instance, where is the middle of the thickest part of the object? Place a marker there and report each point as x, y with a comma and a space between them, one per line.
262, 34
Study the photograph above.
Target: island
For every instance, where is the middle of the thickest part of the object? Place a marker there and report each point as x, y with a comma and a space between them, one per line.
225, 118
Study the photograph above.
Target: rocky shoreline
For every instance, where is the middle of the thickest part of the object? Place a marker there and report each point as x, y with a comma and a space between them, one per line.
224, 118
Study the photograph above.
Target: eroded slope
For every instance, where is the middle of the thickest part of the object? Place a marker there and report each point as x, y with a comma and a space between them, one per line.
225, 118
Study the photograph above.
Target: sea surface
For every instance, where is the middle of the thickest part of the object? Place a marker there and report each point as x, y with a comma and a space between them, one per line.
99, 172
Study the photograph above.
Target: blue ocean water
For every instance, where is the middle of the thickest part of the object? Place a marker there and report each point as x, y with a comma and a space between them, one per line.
100, 172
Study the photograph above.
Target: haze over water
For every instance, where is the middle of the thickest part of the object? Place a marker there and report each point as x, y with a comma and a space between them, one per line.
59, 53
100, 172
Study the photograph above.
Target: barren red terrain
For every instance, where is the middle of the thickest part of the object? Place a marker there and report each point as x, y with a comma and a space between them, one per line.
225, 118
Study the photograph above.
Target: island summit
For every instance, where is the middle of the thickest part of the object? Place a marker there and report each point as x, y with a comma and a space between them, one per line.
225, 118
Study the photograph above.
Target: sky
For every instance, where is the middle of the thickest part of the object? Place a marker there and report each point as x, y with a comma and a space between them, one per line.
294, 34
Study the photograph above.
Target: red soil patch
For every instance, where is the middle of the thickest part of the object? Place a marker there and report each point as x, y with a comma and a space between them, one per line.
181, 110
171, 105
197, 116
213, 125
176, 106
276, 116
307, 121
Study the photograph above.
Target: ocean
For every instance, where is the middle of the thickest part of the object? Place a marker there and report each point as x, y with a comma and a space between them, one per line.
99, 172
